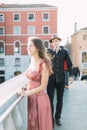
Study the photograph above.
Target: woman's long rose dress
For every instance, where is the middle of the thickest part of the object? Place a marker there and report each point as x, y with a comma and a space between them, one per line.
39, 110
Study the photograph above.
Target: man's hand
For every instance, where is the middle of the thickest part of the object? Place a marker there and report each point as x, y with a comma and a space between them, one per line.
71, 80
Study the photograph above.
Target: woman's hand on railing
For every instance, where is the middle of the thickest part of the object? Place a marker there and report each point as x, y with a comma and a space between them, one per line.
21, 92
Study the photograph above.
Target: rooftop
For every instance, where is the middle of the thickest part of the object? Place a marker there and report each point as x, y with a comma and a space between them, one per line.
85, 28
2, 5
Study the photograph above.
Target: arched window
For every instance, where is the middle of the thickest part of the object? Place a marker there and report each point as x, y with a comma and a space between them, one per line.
17, 47
46, 43
84, 57
1, 47
17, 73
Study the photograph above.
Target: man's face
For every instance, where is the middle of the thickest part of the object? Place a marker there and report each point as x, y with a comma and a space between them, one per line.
55, 43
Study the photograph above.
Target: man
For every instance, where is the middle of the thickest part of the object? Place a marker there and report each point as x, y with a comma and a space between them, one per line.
76, 72
57, 79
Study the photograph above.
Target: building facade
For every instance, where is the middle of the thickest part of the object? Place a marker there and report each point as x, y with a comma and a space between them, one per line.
79, 49
17, 23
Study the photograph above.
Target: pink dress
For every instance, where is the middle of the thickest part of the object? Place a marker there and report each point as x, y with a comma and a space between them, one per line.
39, 109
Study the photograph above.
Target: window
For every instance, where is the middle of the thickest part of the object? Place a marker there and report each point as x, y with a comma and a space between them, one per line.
31, 30
45, 17
45, 30
2, 72
17, 73
17, 62
16, 17
84, 57
1, 30
1, 47
85, 37
2, 62
1, 18
31, 17
2, 79
46, 43
17, 47
16, 30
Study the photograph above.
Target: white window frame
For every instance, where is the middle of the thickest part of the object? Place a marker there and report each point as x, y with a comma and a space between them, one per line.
3, 48
17, 61
43, 30
17, 52
47, 42
14, 17
2, 18
15, 28
43, 16
84, 58
84, 36
31, 19
33, 30
3, 30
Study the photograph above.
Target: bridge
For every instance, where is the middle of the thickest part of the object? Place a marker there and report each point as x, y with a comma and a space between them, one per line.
13, 108
74, 113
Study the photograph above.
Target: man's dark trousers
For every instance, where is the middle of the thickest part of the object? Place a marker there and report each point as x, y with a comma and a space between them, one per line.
59, 86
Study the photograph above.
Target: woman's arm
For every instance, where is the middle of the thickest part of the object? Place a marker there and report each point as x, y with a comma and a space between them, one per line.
44, 82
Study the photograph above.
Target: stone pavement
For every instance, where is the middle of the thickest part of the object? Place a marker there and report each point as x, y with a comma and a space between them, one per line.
74, 113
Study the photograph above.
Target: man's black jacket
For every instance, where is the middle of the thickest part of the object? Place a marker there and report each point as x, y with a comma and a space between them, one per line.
76, 71
58, 64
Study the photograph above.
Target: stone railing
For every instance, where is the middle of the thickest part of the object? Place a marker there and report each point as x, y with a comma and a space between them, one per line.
13, 108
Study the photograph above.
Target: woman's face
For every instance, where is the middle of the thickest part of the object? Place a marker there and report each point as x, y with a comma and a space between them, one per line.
32, 50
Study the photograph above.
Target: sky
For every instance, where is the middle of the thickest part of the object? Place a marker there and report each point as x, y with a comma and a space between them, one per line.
69, 13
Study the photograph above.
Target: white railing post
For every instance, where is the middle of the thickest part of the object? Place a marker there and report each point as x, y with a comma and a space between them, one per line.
17, 117
9, 123
23, 110
1, 126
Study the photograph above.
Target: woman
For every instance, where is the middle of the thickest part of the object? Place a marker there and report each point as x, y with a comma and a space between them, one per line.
39, 110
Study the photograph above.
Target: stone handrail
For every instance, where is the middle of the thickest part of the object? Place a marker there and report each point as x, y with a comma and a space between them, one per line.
10, 87
13, 108
6, 113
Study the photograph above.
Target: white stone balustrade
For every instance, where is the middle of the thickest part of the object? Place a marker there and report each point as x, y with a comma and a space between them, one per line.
13, 108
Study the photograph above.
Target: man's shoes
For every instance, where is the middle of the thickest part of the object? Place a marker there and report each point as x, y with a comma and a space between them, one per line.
58, 122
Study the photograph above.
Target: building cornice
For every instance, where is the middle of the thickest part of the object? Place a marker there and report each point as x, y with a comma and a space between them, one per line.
29, 7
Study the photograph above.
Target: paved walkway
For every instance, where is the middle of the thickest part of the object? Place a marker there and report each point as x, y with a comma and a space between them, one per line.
74, 113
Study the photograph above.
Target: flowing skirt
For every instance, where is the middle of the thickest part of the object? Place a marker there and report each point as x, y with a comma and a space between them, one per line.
39, 112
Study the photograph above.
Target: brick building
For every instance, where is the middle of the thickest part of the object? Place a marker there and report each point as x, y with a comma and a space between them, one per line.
79, 49
17, 23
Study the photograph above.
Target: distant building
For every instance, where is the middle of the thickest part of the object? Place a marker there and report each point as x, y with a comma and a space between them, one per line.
79, 49
17, 23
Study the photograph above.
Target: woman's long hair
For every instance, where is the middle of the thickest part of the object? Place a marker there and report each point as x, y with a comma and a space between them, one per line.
38, 43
